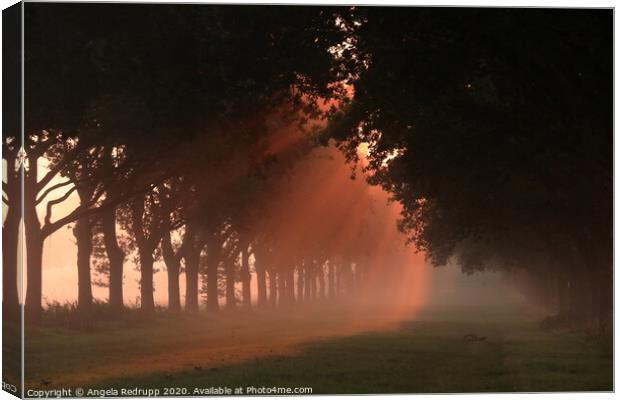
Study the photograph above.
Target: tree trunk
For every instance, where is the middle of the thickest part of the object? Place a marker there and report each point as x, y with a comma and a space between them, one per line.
260, 279
83, 232
214, 249
192, 263
246, 277
313, 278
34, 247
231, 301
146, 242
300, 283
34, 253
273, 287
172, 267
358, 276
331, 272
116, 257
10, 241
10, 237
147, 302
174, 293
308, 281
191, 250
347, 277
338, 284
290, 286
321, 276
281, 287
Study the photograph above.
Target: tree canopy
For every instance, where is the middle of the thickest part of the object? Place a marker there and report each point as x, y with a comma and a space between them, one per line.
493, 128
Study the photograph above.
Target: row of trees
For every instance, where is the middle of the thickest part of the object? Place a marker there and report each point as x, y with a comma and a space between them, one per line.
300, 242
497, 124
178, 126
159, 118
177, 153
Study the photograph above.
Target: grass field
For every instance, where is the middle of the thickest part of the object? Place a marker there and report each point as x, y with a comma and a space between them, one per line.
426, 354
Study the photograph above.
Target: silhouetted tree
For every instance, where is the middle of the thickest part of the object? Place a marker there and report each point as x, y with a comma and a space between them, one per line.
491, 125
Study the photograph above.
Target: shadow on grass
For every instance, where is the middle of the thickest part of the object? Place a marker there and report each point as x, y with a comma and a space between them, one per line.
420, 357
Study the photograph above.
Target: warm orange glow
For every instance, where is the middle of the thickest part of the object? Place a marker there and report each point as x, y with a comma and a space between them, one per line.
316, 200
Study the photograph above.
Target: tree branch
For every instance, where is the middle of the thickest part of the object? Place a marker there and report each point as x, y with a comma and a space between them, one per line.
106, 204
48, 213
69, 156
51, 189
83, 210
50, 175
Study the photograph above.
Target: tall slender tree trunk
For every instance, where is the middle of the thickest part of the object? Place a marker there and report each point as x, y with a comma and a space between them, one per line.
115, 253
331, 279
34, 246
34, 254
261, 279
191, 249
10, 241
83, 232
273, 287
116, 257
358, 276
173, 267
147, 302
231, 301
338, 279
290, 286
214, 249
347, 277
308, 281
10, 237
300, 283
281, 278
192, 264
174, 292
146, 246
246, 277
321, 276
313, 288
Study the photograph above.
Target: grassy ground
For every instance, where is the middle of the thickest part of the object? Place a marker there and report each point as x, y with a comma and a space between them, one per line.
11, 356
316, 349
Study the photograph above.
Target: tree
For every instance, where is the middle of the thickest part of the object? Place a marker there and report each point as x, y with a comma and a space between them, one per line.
11, 146
166, 73
488, 125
